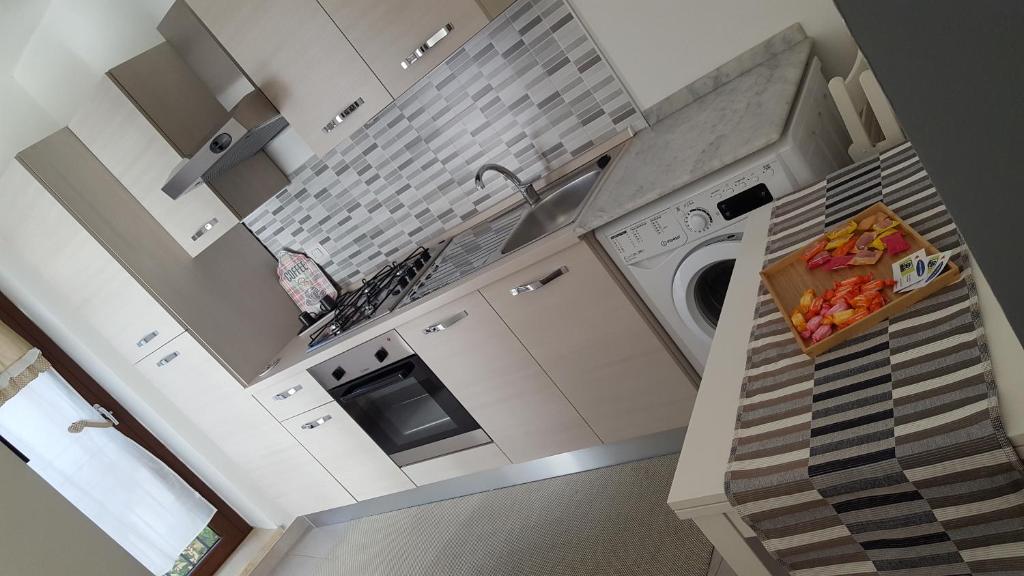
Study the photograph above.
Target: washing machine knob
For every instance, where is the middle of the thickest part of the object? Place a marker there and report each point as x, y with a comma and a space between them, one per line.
698, 220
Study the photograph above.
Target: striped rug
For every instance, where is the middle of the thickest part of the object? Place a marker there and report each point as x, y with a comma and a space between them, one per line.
885, 455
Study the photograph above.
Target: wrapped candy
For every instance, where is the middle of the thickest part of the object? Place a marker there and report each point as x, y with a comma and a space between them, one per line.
798, 321
816, 305
842, 232
895, 243
842, 318
814, 249
866, 257
806, 299
837, 242
867, 222
845, 248
840, 262
814, 322
819, 259
821, 333
865, 240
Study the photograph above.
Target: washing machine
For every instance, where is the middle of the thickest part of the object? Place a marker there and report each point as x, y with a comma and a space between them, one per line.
678, 252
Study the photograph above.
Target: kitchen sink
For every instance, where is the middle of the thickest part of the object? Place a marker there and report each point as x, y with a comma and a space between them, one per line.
560, 204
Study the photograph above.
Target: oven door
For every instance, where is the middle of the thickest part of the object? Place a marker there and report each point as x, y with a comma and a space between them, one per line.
409, 413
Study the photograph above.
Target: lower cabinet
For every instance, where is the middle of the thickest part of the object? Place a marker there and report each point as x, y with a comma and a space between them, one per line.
347, 452
253, 443
581, 327
461, 463
487, 369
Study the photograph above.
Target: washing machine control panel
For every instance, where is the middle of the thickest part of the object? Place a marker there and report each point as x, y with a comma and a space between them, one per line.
698, 215
649, 237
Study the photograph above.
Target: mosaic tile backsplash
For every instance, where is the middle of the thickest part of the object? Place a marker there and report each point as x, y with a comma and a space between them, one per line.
530, 91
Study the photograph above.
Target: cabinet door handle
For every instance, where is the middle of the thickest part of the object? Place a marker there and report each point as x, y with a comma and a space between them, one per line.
427, 45
317, 423
167, 359
147, 338
205, 228
538, 284
288, 393
446, 323
341, 115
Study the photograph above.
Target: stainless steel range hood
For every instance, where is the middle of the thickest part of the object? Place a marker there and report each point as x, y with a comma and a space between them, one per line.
254, 121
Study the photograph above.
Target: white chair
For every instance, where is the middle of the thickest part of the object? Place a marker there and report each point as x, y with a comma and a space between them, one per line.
865, 110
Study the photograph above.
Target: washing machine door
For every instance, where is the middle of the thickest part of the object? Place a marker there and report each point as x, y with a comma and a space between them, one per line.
699, 287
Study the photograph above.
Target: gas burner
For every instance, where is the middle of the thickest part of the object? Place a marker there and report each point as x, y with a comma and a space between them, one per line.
378, 295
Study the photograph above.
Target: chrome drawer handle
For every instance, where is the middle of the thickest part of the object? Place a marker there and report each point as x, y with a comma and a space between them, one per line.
167, 359
317, 423
341, 115
427, 45
204, 229
446, 323
147, 338
288, 393
538, 284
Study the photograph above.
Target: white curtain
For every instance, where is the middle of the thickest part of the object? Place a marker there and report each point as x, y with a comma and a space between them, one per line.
133, 497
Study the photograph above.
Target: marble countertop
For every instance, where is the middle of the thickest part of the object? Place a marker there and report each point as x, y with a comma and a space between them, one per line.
733, 121
698, 488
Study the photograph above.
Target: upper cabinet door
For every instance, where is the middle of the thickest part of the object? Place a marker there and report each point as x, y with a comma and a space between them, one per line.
402, 40
139, 156
295, 53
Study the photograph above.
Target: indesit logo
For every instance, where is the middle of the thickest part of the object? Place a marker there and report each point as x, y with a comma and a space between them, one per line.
669, 241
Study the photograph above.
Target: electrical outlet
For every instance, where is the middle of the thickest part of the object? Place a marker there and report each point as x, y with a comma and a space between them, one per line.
318, 253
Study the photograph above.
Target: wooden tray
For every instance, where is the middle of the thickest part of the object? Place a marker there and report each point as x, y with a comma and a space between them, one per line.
787, 278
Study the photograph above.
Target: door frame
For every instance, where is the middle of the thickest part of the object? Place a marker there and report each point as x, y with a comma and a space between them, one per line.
227, 523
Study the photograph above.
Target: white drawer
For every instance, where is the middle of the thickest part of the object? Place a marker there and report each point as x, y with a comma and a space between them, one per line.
347, 452
469, 461
292, 396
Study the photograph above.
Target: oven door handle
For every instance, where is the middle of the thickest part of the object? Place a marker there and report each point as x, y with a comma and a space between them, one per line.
375, 381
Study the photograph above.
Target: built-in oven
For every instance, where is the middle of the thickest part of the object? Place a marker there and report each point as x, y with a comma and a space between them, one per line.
393, 395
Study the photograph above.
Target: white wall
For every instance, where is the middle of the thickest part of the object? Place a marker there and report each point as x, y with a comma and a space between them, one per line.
77, 41
659, 46
24, 121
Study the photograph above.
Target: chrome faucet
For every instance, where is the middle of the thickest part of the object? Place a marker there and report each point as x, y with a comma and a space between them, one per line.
527, 190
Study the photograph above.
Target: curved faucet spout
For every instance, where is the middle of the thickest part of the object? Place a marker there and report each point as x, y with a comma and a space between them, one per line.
527, 190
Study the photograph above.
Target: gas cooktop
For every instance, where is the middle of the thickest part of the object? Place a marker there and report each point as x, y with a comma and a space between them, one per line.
378, 295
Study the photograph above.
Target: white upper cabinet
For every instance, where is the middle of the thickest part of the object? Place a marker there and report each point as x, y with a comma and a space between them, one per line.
53, 250
297, 56
595, 344
402, 40
138, 155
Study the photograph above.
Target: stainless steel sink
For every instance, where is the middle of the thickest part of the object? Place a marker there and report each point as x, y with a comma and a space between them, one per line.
560, 204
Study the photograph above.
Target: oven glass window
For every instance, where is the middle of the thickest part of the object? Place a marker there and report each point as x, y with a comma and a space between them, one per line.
709, 290
405, 412
404, 406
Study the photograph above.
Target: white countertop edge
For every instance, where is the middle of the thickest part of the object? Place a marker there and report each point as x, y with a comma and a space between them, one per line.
700, 474
698, 488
